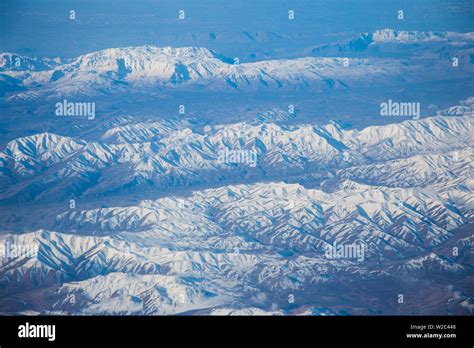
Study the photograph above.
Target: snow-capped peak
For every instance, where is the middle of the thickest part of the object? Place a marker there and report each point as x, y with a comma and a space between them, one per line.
404, 36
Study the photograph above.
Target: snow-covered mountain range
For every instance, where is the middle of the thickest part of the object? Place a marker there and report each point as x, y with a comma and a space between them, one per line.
404, 190
238, 205
167, 156
149, 67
